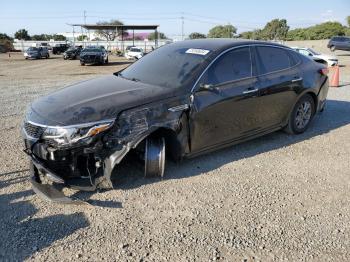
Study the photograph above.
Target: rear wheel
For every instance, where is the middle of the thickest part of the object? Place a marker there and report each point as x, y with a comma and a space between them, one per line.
332, 48
301, 115
82, 64
155, 157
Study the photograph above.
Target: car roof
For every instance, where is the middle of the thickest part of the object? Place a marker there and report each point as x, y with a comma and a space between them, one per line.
218, 44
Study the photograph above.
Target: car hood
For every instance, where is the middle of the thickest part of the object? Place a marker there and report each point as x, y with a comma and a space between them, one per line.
91, 53
326, 57
134, 53
97, 99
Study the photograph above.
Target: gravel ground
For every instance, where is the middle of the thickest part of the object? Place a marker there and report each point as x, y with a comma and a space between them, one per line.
275, 198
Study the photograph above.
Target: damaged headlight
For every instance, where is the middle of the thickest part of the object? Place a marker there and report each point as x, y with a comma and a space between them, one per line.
68, 135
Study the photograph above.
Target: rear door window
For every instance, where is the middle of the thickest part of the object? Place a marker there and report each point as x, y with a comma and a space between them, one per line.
231, 66
272, 59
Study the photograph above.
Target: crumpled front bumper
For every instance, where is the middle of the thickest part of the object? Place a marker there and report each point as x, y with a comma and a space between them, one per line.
49, 192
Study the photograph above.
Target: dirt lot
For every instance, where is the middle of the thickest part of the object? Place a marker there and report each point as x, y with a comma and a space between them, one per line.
278, 197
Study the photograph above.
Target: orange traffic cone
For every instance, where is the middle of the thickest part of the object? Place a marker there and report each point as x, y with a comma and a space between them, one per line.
335, 78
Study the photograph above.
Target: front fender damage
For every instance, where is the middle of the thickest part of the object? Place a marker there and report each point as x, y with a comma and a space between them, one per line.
133, 126
90, 167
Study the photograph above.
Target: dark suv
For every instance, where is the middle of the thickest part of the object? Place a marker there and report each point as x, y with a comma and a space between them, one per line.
339, 43
59, 48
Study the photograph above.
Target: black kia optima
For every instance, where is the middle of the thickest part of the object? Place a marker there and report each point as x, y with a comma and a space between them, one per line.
181, 100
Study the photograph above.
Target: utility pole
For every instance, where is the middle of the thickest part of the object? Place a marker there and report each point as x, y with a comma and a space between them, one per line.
182, 26
84, 17
85, 24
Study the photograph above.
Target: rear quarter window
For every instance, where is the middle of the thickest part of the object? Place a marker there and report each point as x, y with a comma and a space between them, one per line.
272, 59
294, 57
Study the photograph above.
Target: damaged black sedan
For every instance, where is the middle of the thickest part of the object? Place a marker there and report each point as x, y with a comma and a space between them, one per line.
182, 100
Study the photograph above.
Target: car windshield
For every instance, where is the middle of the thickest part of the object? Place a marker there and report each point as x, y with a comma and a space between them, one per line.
32, 49
91, 50
71, 49
313, 51
135, 49
170, 66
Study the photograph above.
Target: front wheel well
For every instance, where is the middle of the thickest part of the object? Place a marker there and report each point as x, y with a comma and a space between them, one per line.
172, 144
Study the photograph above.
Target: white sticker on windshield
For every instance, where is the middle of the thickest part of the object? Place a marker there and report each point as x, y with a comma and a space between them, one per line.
197, 51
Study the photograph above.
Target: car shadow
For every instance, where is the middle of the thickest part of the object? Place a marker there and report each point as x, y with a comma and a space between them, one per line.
23, 233
129, 174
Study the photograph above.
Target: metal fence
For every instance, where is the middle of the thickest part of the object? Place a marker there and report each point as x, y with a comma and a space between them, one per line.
22, 45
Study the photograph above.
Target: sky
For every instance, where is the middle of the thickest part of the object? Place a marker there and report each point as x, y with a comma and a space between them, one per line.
198, 15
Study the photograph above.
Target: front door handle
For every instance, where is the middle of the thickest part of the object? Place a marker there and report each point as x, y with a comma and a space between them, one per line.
297, 79
250, 90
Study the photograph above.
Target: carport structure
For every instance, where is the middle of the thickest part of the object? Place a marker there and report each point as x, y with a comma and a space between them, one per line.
120, 28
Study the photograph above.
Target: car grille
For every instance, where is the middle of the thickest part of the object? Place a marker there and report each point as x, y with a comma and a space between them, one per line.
33, 130
90, 58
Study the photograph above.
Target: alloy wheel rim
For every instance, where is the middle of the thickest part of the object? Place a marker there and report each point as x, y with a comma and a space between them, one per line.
303, 115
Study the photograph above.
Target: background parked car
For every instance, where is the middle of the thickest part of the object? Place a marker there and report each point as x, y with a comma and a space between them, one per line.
46, 45
330, 60
72, 52
93, 55
134, 53
339, 43
36, 52
59, 48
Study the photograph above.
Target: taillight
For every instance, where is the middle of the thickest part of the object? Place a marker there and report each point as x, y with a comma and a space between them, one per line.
324, 71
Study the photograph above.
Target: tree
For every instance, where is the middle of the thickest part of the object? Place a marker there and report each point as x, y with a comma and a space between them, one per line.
297, 34
321, 31
43, 37
276, 29
82, 37
152, 36
22, 34
325, 30
59, 38
196, 35
6, 42
137, 37
5, 37
222, 31
246, 35
110, 34
348, 20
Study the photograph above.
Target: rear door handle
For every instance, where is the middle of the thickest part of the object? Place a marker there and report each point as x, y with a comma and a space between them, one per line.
297, 79
250, 90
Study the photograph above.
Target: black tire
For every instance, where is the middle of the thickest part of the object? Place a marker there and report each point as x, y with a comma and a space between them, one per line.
301, 115
155, 157
107, 61
332, 48
82, 64
47, 56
